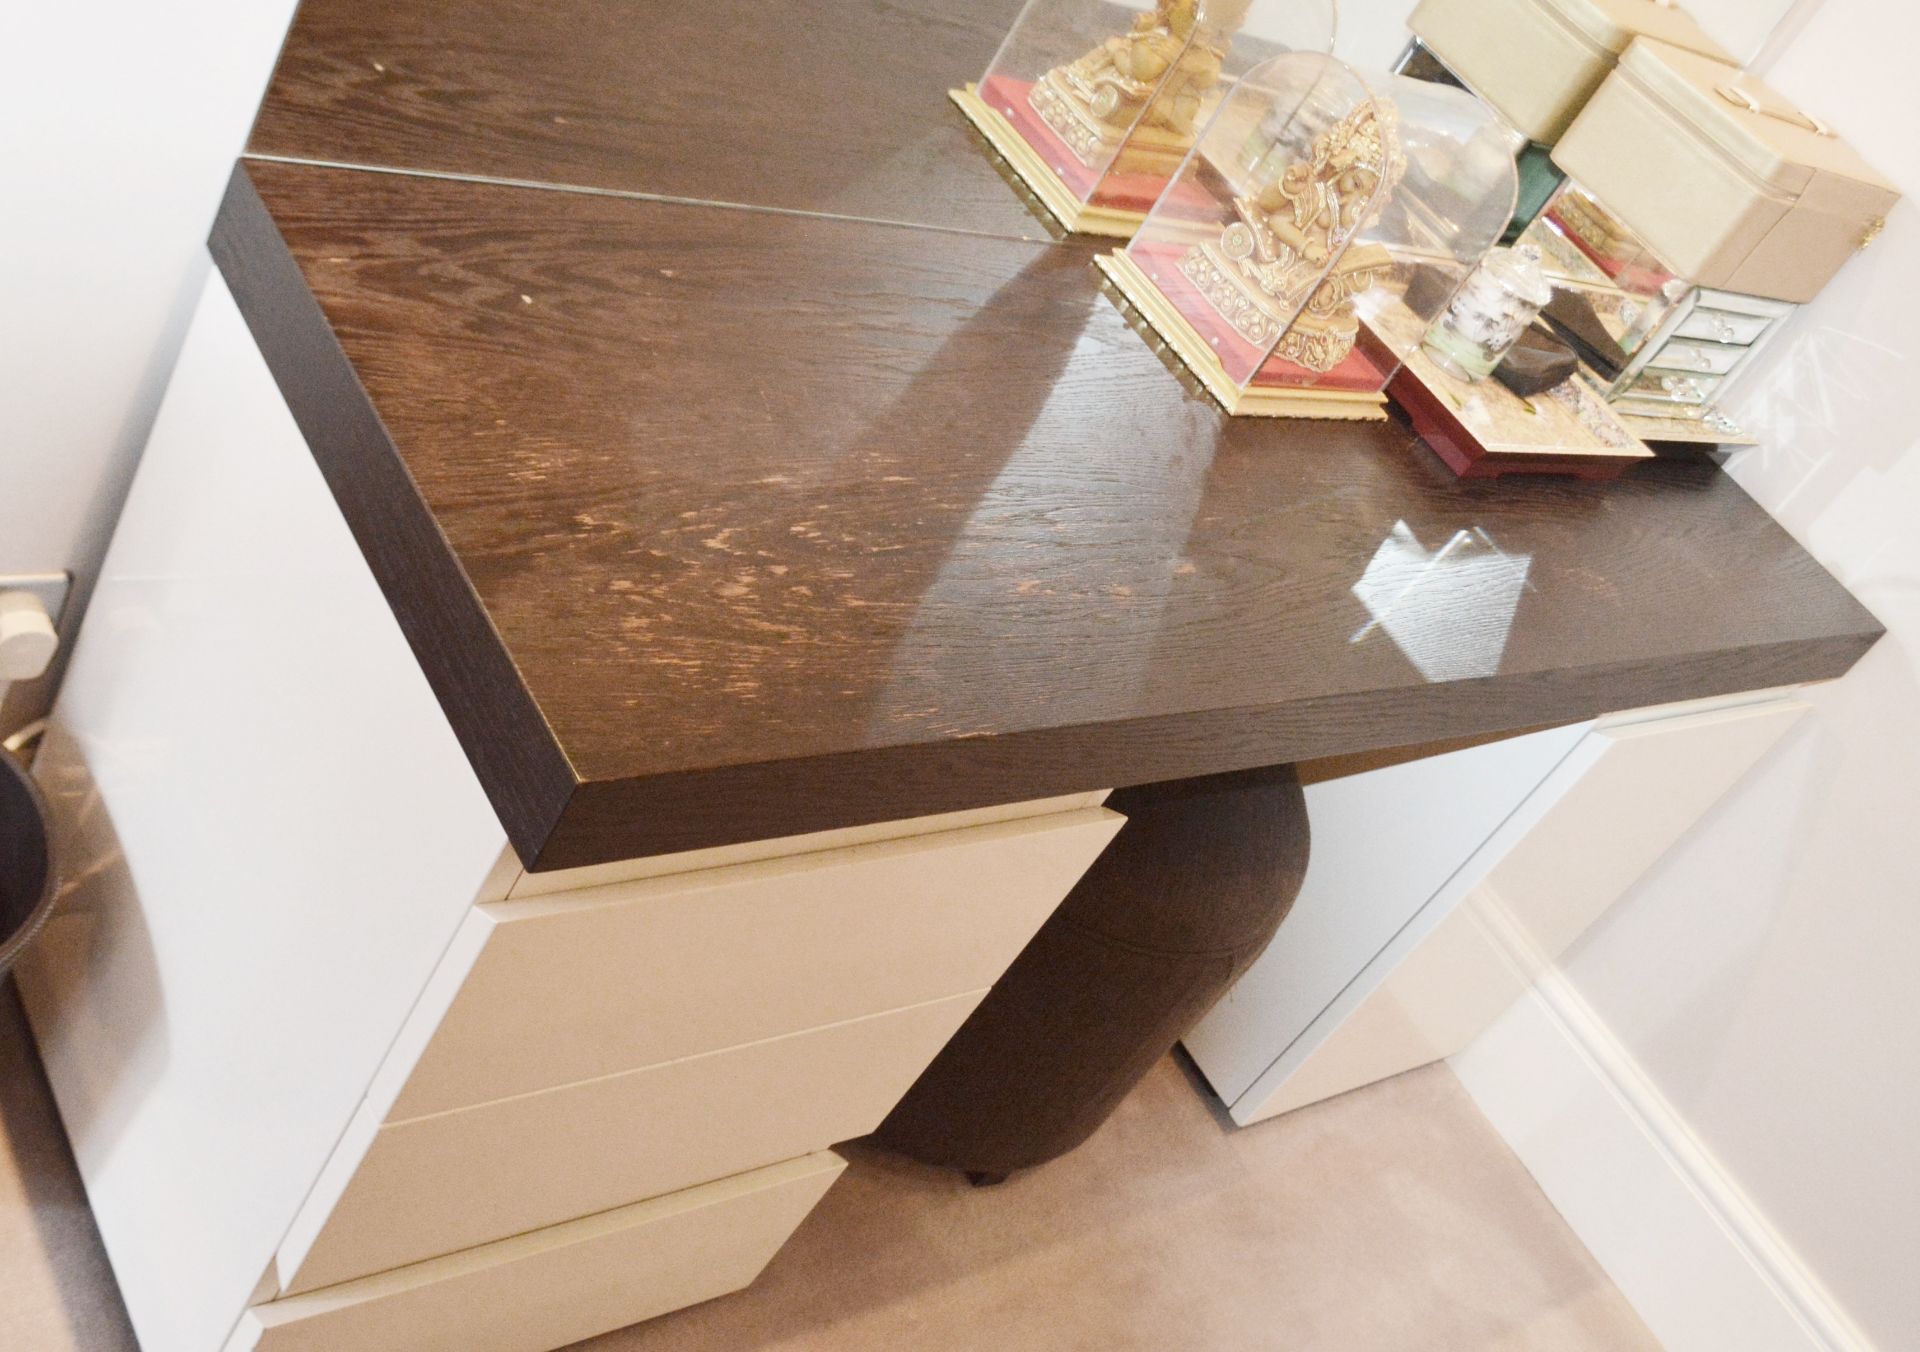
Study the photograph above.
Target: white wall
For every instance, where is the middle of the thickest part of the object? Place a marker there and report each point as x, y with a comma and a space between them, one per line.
1764, 976
1743, 26
122, 120
1372, 33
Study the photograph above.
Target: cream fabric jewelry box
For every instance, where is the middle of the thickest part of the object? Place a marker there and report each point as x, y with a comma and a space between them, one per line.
1722, 177
1539, 61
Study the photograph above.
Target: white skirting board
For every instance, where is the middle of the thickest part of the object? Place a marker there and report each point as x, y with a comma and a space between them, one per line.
1670, 1226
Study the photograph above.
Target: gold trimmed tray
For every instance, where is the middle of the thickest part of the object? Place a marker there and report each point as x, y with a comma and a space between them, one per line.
1076, 216
1257, 401
1482, 429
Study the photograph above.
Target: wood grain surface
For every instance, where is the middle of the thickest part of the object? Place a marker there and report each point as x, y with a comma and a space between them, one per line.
830, 106
788, 522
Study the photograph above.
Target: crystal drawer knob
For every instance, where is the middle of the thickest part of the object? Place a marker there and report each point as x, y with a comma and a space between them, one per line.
27, 639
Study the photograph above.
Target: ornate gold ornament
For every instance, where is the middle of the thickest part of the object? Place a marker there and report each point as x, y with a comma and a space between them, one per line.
1150, 81
1286, 269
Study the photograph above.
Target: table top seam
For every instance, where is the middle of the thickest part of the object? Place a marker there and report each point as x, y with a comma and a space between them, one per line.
636, 195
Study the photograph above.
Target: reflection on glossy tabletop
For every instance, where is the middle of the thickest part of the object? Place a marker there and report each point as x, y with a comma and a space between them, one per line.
788, 522
831, 106
1448, 609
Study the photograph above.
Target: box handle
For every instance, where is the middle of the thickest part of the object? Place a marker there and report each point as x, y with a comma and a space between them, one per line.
1740, 98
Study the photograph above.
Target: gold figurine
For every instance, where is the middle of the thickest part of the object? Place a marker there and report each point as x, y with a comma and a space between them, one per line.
1275, 256
1151, 81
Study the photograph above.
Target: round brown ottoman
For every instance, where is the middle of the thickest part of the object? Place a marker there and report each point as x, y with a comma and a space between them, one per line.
1187, 896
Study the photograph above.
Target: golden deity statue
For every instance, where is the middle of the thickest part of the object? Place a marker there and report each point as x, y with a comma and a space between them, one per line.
1135, 100
1268, 274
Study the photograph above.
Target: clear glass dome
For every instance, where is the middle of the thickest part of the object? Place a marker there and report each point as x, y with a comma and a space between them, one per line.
1108, 98
1322, 222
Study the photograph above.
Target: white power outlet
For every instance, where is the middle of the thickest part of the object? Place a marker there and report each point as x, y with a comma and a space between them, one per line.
51, 588
29, 624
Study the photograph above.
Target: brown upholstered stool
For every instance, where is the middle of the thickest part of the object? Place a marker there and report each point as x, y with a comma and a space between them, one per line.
1187, 896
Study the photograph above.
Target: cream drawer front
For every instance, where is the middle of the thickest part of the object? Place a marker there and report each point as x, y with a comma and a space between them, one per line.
551, 1288
593, 983
436, 1185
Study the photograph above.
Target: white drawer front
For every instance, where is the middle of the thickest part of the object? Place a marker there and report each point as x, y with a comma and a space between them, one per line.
551, 1288
436, 1185
594, 983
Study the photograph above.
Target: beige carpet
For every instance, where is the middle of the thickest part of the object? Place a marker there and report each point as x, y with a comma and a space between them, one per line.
1390, 1219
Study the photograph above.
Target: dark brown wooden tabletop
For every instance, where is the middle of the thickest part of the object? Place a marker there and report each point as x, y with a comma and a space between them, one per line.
830, 106
848, 495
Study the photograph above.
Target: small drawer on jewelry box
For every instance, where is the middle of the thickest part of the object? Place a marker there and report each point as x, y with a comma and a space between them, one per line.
553, 1287
1647, 408
1696, 357
1733, 302
1724, 326
1672, 387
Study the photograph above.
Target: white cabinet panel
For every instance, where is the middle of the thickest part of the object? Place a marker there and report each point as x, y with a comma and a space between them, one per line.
1385, 841
618, 977
1636, 784
435, 1185
557, 1286
1431, 1004
270, 836
1653, 781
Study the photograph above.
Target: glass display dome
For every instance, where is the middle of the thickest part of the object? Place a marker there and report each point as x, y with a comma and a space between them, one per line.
1321, 223
1095, 104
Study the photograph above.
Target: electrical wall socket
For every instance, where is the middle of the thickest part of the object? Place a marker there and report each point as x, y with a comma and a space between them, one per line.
51, 588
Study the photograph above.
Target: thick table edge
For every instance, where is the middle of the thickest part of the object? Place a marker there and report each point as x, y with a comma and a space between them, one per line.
727, 805
560, 816
513, 751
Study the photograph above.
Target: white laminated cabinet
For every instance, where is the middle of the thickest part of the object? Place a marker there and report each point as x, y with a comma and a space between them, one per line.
1430, 941
337, 1072
1391, 842
269, 836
